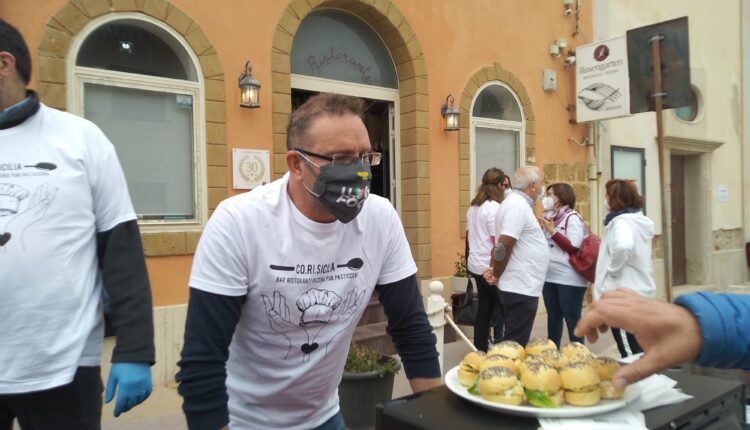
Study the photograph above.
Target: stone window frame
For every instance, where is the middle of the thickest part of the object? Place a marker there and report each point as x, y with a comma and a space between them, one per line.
496, 124
79, 76
52, 54
477, 81
391, 25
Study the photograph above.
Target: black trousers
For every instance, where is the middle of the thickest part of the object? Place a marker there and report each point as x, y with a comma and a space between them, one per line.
489, 306
77, 405
627, 346
519, 312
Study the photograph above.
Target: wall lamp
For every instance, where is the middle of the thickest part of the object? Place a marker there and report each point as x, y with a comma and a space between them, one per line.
249, 88
450, 113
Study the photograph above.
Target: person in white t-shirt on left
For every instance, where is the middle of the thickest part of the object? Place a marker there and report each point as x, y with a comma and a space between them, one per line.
480, 239
67, 231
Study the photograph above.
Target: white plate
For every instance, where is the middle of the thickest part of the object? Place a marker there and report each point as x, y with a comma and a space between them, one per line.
565, 411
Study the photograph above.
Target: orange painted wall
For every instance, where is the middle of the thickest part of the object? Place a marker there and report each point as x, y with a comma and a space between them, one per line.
457, 39
169, 279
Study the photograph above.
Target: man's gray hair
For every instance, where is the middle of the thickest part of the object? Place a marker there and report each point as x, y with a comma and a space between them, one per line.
525, 176
322, 104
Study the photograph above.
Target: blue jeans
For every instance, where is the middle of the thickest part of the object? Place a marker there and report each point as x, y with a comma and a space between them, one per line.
336, 422
562, 302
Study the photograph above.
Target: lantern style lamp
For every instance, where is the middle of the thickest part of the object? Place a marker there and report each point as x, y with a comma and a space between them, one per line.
249, 88
451, 114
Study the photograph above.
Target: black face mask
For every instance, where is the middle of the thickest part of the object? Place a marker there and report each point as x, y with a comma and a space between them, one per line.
342, 188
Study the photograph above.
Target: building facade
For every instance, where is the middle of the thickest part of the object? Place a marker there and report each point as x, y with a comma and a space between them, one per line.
160, 78
706, 157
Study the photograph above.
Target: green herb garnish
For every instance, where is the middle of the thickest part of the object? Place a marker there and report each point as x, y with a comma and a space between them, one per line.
474, 387
540, 399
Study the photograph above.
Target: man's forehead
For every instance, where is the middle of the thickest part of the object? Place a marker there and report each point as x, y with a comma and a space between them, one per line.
345, 132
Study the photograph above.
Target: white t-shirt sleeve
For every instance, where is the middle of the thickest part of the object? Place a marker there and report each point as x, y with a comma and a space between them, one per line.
398, 263
109, 190
511, 220
219, 265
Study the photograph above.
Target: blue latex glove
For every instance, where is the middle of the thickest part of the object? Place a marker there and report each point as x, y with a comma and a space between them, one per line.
132, 381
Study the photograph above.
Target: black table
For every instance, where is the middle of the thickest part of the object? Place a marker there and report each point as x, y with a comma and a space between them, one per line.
716, 402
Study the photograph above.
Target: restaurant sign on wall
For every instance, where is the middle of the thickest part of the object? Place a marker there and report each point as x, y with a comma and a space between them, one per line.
251, 168
602, 83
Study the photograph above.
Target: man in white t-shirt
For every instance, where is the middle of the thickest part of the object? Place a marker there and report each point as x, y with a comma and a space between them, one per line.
67, 230
521, 255
283, 273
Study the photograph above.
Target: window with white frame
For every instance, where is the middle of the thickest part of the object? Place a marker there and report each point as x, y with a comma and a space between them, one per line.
496, 131
139, 82
630, 163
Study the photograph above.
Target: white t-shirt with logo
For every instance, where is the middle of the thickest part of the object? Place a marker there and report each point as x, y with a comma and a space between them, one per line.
60, 184
480, 226
307, 285
525, 271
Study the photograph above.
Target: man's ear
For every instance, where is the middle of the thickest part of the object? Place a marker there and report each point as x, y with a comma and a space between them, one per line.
294, 164
7, 64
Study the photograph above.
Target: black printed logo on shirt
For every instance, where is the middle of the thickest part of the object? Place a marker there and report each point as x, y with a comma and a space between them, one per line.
319, 269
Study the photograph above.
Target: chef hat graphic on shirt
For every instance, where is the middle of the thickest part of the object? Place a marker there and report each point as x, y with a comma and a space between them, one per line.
317, 306
10, 198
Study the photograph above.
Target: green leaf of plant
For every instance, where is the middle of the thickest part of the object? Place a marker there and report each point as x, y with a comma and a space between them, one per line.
362, 359
474, 387
540, 399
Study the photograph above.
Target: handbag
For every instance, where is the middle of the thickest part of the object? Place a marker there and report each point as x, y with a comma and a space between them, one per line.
584, 261
465, 305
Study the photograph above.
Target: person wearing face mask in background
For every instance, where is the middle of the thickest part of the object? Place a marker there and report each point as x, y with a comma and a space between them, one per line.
282, 275
563, 286
480, 239
521, 255
625, 252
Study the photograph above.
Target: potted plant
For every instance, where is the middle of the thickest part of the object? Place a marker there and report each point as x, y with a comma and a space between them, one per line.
460, 277
367, 380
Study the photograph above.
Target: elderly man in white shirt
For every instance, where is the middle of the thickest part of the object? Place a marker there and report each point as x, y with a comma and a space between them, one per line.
521, 255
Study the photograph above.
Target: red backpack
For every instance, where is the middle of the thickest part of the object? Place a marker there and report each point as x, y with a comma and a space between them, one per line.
584, 261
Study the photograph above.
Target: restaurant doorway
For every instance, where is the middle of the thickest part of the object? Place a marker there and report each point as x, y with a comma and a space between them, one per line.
379, 120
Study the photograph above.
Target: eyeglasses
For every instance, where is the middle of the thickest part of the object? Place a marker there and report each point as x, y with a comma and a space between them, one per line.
371, 158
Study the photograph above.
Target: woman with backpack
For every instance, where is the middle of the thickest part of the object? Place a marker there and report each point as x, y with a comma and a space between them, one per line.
563, 288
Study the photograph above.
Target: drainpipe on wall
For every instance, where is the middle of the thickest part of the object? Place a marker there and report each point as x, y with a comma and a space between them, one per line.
592, 132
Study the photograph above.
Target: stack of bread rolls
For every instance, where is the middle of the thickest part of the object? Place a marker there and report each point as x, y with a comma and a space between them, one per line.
539, 374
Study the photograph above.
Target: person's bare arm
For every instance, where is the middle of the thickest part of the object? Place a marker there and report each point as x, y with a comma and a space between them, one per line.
424, 384
668, 333
502, 256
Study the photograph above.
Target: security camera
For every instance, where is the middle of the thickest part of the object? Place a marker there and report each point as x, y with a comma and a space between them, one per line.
568, 12
570, 60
